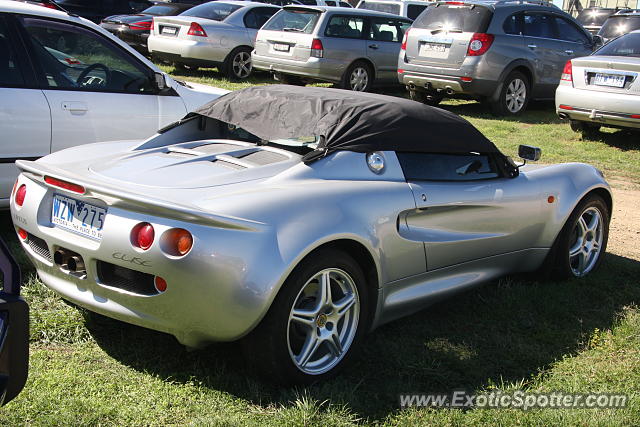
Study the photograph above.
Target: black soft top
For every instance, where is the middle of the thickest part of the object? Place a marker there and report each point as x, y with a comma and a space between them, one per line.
345, 120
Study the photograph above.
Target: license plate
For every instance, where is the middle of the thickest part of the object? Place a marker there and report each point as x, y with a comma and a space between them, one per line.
614, 80
434, 50
169, 30
79, 217
281, 47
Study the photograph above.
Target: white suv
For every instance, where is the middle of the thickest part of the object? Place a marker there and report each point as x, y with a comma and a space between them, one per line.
65, 81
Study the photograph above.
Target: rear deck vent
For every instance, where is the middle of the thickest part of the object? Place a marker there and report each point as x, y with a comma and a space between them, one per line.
124, 278
264, 157
228, 164
217, 148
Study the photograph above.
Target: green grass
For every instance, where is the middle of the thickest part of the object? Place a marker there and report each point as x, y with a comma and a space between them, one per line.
516, 333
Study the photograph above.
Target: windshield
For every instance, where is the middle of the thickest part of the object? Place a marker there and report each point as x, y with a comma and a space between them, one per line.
628, 45
214, 10
594, 17
618, 25
294, 20
380, 7
456, 18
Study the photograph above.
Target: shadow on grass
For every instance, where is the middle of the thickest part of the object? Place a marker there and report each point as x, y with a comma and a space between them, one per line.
503, 332
623, 139
213, 73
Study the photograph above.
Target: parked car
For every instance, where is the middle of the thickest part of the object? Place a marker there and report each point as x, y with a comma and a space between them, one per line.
134, 29
592, 18
620, 23
324, 3
96, 10
14, 329
66, 81
216, 34
503, 53
603, 89
299, 218
353, 48
410, 8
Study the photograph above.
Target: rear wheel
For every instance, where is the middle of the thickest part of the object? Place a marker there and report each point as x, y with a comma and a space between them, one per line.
316, 323
358, 77
514, 95
429, 98
586, 129
238, 66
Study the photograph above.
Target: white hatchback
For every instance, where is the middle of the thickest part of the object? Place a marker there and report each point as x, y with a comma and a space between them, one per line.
65, 81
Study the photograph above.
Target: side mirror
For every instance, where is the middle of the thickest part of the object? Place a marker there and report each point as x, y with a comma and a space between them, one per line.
529, 152
14, 330
597, 41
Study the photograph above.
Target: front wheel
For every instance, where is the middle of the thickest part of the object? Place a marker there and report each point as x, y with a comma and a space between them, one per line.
514, 95
238, 66
316, 323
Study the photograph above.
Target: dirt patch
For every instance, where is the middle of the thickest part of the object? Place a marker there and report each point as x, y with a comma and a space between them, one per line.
624, 232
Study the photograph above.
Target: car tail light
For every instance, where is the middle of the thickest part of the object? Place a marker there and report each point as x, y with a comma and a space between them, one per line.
141, 25
635, 116
49, 5
177, 242
466, 79
75, 188
21, 194
455, 3
479, 44
142, 235
153, 25
196, 30
567, 72
317, 50
400, 71
22, 234
160, 284
403, 46
565, 107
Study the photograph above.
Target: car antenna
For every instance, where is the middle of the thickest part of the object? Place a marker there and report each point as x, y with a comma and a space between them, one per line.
52, 2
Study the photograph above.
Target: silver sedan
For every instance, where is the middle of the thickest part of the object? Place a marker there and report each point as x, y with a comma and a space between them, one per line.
215, 34
603, 89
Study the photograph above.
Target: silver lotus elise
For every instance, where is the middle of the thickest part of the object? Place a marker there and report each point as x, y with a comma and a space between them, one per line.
299, 219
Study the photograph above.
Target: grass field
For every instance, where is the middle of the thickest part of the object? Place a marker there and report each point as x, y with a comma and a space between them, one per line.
517, 333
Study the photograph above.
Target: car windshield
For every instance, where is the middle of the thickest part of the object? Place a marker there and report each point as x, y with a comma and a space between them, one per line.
215, 10
454, 18
160, 10
594, 17
618, 25
380, 7
628, 45
294, 20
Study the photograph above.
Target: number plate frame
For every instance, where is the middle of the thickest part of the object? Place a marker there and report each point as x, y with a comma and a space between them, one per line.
70, 214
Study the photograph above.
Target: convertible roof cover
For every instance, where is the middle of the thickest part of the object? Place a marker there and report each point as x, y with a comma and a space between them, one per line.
346, 120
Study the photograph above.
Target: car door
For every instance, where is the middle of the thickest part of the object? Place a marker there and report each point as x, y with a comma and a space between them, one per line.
466, 210
97, 90
547, 52
576, 42
383, 46
25, 119
344, 40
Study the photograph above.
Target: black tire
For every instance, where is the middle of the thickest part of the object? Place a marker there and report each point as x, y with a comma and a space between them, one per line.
586, 129
559, 264
270, 346
237, 65
511, 100
358, 77
288, 79
428, 98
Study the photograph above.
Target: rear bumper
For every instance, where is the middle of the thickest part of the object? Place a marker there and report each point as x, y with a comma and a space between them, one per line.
604, 108
313, 68
451, 84
187, 51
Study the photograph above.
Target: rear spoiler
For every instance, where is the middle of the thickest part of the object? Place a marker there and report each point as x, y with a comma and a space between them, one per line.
118, 197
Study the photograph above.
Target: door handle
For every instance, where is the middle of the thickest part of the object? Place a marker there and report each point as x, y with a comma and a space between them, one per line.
75, 106
568, 52
532, 46
373, 46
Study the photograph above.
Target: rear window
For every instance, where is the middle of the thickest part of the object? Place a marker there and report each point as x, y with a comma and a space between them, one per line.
217, 11
594, 17
380, 7
414, 10
618, 25
294, 20
455, 18
628, 45
160, 10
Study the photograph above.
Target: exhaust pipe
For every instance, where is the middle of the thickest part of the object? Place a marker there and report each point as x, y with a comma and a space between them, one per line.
449, 90
69, 261
76, 264
61, 258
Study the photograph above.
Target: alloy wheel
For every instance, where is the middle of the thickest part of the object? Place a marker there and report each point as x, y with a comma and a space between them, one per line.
516, 95
586, 242
241, 65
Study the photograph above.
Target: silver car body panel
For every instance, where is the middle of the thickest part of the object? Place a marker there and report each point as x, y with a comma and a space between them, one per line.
254, 224
585, 101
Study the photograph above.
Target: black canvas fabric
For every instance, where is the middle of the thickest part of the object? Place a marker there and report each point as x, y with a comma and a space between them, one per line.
346, 120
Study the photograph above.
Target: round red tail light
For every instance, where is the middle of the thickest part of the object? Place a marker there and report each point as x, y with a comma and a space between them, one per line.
22, 234
177, 242
160, 284
142, 235
21, 194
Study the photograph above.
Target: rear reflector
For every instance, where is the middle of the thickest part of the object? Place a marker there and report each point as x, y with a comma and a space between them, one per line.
567, 72
479, 44
196, 30
55, 182
317, 50
565, 107
22, 234
160, 283
21, 194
